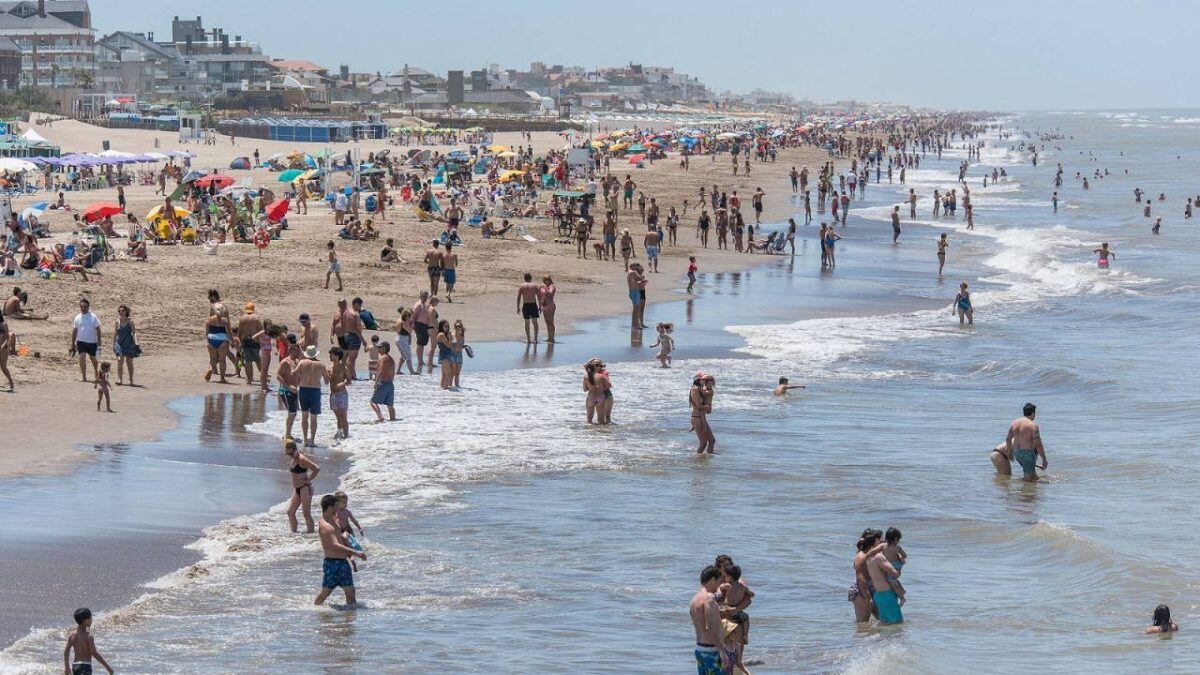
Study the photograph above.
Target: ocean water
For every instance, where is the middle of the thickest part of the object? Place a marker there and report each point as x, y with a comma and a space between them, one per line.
505, 535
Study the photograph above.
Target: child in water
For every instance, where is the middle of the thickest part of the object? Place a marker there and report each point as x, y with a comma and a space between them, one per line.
102, 387
344, 519
373, 357
894, 553
83, 644
665, 344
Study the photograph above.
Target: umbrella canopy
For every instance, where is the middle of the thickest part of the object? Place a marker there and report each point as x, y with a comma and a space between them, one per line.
157, 212
35, 210
17, 165
290, 175
507, 154
220, 180
100, 210
637, 147
510, 175
498, 148
634, 159
192, 176
277, 210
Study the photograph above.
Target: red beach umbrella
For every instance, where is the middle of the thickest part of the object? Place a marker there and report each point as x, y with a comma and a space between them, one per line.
277, 210
100, 210
221, 180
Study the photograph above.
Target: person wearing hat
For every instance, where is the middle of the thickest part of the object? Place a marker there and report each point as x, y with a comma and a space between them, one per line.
248, 326
310, 373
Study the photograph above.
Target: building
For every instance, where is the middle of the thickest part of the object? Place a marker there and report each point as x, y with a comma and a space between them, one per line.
407, 81
488, 100
10, 64
56, 39
134, 63
214, 63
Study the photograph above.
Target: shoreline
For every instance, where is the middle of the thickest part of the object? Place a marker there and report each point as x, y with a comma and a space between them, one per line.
174, 359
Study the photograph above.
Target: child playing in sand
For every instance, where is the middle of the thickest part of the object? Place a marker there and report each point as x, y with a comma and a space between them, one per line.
691, 273
344, 518
84, 645
373, 357
896, 556
102, 387
665, 344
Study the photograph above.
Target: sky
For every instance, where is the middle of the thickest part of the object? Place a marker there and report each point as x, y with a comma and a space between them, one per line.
1006, 55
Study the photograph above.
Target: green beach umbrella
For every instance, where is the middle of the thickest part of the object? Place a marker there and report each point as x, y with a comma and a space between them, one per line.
289, 175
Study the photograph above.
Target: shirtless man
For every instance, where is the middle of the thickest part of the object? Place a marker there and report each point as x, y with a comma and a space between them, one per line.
309, 333
529, 307
783, 387
385, 388
346, 332
887, 602
248, 326
449, 270
454, 214
706, 619
420, 315
339, 396
1024, 443
336, 569
433, 265
637, 287
610, 235
285, 374
651, 245
432, 313
310, 374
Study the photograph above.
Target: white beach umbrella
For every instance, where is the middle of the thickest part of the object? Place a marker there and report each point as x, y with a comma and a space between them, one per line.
15, 164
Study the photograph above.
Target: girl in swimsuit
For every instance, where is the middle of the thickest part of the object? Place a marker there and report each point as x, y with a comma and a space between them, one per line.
962, 305
303, 471
943, 244
266, 337
594, 402
404, 330
1104, 252
445, 346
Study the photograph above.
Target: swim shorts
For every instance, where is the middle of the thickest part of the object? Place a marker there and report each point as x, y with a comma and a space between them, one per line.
708, 662
81, 669
422, 330
530, 310
339, 400
635, 297
889, 607
89, 348
337, 574
385, 393
610, 239
289, 400
652, 252
353, 342
1028, 461
449, 275
310, 400
251, 351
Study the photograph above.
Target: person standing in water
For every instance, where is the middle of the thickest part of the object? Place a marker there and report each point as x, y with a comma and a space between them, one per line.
706, 619
962, 305
896, 225
1104, 253
701, 399
336, 569
1024, 443
81, 642
1161, 620
943, 244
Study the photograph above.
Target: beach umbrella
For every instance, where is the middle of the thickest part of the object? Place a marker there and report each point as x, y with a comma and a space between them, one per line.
193, 176
16, 165
100, 210
619, 147
510, 175
290, 175
507, 154
634, 159
157, 212
221, 181
278, 210
498, 148
36, 210
637, 147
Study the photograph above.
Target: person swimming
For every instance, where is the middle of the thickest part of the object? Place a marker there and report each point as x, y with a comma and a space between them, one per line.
1105, 253
1162, 621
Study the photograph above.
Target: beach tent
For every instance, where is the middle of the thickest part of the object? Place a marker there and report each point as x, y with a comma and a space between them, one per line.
32, 136
240, 163
277, 210
290, 175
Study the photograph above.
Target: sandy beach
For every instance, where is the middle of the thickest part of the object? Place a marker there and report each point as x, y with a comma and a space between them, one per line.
167, 294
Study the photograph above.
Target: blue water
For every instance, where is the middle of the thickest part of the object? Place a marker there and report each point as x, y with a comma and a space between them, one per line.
507, 536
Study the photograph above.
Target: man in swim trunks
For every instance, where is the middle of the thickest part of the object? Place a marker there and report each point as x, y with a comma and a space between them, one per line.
420, 315
636, 283
339, 395
347, 333
529, 307
1024, 443
449, 270
887, 602
706, 620
309, 375
248, 326
385, 387
336, 571
651, 244
433, 265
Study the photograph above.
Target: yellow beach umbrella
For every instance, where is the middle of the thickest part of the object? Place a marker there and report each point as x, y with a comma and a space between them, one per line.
511, 176
498, 148
618, 147
507, 154
157, 212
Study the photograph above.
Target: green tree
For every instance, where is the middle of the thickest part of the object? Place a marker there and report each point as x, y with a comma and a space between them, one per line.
84, 78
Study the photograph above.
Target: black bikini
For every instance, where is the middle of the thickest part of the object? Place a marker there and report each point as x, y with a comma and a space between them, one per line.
297, 469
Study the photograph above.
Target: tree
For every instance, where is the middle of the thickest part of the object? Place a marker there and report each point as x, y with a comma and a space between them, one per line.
84, 78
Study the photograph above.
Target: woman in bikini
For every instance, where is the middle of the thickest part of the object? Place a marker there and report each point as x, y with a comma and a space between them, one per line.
217, 330
404, 330
547, 291
700, 399
594, 400
303, 471
861, 591
445, 347
943, 243
5, 348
